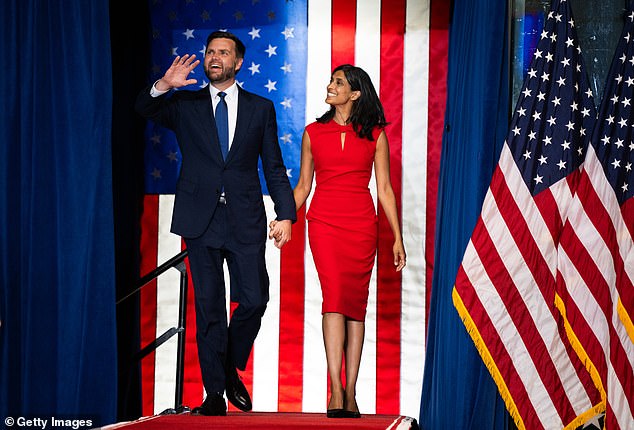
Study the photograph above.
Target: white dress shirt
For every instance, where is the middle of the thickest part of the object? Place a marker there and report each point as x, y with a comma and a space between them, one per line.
232, 106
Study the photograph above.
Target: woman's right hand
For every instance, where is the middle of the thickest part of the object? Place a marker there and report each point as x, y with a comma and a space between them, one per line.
273, 232
399, 255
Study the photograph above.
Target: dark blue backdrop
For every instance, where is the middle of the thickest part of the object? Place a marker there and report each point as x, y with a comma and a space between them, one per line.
58, 343
458, 391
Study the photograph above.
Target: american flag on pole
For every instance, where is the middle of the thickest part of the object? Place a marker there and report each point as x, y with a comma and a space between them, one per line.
505, 287
292, 47
596, 252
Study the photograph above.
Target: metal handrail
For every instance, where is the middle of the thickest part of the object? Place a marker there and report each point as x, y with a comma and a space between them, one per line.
177, 262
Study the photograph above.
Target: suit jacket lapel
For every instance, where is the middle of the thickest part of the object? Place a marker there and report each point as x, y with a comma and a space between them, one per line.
242, 122
205, 118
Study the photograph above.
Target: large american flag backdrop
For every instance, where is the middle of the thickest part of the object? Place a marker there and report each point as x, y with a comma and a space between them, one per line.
505, 290
292, 47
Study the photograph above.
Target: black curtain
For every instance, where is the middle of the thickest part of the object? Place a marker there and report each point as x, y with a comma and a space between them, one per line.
130, 32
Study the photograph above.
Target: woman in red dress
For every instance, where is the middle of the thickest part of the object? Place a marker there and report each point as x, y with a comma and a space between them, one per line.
340, 149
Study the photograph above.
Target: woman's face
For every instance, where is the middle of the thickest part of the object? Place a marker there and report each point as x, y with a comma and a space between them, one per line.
339, 91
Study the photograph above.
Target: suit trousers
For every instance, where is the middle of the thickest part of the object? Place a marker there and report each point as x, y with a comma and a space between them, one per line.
222, 345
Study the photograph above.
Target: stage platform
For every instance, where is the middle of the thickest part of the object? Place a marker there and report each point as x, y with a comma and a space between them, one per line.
267, 421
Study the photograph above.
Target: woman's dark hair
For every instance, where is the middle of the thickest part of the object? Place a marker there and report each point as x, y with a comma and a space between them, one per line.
367, 111
240, 48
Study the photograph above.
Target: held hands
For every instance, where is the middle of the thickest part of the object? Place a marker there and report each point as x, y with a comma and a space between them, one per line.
176, 75
399, 255
280, 232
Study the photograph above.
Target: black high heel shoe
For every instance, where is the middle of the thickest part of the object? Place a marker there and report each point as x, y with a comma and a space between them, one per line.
350, 414
336, 413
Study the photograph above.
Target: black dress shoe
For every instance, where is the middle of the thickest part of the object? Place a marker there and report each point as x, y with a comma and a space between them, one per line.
237, 393
214, 405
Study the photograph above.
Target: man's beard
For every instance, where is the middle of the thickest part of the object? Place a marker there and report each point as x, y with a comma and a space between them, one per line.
223, 76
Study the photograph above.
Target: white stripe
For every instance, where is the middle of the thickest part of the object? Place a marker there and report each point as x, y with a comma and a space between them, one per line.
592, 241
415, 114
167, 296
530, 212
318, 62
367, 46
617, 397
596, 320
593, 314
368, 40
315, 371
531, 295
513, 343
563, 196
583, 298
266, 345
317, 77
606, 194
584, 301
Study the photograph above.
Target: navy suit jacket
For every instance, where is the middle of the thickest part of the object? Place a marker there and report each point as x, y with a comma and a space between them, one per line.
204, 173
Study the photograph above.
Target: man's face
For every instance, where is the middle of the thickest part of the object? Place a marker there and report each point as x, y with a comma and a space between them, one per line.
222, 62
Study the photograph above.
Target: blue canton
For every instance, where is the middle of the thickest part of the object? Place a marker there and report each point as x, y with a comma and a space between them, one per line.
613, 136
555, 114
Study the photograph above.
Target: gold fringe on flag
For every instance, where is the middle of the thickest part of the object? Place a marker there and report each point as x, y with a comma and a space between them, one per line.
480, 345
490, 364
625, 319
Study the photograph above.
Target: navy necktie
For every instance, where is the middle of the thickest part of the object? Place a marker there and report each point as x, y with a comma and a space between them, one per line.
222, 124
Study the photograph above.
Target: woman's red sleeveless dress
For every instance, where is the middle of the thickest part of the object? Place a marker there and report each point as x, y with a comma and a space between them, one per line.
342, 220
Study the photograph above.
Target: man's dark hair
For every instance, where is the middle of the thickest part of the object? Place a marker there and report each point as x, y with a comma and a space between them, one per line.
240, 48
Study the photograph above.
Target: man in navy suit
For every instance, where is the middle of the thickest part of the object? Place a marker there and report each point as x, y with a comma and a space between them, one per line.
222, 131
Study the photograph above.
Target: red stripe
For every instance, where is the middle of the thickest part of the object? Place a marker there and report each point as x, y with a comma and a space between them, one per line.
573, 247
549, 211
523, 237
388, 323
344, 19
624, 373
623, 370
437, 97
610, 420
596, 208
499, 354
586, 262
534, 260
292, 284
627, 211
586, 265
519, 314
148, 262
